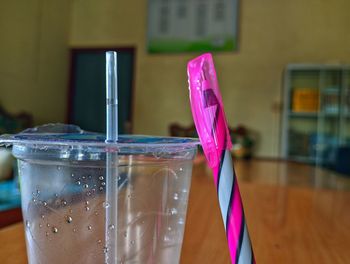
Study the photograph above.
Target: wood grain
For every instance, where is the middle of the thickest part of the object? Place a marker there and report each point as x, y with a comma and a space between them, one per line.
291, 217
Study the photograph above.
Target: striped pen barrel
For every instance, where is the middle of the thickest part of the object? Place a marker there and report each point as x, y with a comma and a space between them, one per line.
209, 117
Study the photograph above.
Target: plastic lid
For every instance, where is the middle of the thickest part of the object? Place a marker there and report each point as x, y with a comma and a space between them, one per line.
61, 141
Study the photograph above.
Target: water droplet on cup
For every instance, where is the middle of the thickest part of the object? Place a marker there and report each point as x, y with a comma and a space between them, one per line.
78, 182
72, 175
87, 208
86, 186
40, 225
89, 227
38, 192
181, 169
105, 249
58, 168
111, 227
48, 225
176, 196
103, 183
64, 202
101, 178
44, 203
99, 241
173, 211
42, 216
132, 242
27, 224
69, 219
54, 230
105, 204
101, 188
74, 230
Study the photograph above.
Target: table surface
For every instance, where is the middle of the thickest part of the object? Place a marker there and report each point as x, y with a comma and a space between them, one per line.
295, 214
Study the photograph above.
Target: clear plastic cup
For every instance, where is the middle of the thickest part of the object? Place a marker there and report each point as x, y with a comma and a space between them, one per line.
62, 180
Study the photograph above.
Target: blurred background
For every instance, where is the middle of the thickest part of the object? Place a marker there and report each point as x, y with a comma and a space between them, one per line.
288, 64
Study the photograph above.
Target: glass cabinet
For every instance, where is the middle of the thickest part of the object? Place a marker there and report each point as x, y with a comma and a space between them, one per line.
316, 116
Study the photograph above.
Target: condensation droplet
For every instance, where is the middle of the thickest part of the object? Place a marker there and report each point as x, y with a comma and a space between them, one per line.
86, 186
105, 249
88, 193
27, 224
64, 202
87, 202
44, 203
89, 227
69, 219
89, 177
99, 241
87, 208
101, 188
176, 196
54, 230
78, 182
111, 227
58, 167
56, 195
34, 200
38, 191
47, 234
173, 211
132, 242
42, 216
103, 183
72, 175
181, 169
83, 177
48, 225
74, 230
105, 204
70, 211
101, 178
181, 221
96, 213
40, 225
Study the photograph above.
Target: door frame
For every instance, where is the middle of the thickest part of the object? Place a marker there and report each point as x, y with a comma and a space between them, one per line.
72, 59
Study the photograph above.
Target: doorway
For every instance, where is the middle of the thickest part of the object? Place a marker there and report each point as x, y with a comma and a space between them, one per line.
87, 91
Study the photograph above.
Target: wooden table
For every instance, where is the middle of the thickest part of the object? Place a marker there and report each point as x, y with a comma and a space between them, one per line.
291, 218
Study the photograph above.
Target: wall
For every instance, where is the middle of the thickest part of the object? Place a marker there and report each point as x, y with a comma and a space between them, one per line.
34, 57
272, 33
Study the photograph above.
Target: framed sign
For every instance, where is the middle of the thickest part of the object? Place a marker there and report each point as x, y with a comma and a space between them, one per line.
192, 25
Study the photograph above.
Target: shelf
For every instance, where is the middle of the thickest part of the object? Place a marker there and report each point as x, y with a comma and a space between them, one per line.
303, 114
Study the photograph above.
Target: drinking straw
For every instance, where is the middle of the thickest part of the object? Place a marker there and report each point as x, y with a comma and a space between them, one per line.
209, 117
111, 203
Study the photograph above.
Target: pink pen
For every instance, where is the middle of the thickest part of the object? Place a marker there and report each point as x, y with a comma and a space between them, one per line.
209, 118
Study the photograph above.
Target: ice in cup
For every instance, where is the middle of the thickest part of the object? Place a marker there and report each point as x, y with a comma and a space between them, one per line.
62, 172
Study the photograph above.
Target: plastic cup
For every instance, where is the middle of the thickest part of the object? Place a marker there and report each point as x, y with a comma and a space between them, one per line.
62, 180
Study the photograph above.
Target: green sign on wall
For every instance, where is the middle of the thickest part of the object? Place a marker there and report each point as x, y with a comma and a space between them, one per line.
192, 25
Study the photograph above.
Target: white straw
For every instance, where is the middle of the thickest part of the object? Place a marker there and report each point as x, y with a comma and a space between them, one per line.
111, 203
